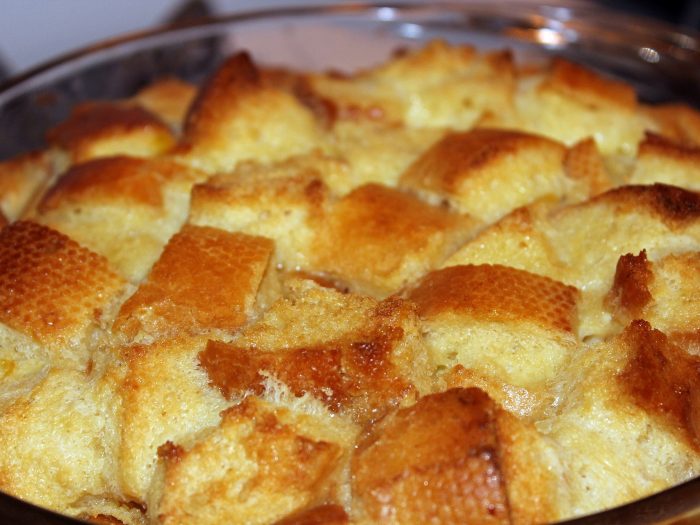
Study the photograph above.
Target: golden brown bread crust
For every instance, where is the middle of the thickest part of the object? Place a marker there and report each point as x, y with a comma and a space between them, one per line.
238, 75
428, 462
573, 80
678, 122
464, 167
20, 179
663, 380
676, 207
389, 237
104, 179
584, 164
51, 288
234, 110
630, 289
359, 373
106, 128
168, 98
408, 294
290, 469
205, 279
497, 293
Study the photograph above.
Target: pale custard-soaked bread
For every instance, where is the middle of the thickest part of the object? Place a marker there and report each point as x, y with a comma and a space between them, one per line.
447, 289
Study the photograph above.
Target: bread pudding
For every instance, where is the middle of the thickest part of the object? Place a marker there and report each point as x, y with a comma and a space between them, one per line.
451, 288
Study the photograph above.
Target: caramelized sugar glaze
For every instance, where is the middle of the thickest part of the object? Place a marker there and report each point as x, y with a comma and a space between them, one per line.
447, 289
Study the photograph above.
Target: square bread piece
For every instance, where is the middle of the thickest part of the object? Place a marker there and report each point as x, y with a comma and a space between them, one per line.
285, 202
437, 85
586, 171
205, 280
236, 117
678, 122
165, 396
662, 160
590, 237
453, 457
665, 292
260, 464
513, 328
54, 290
570, 103
169, 99
124, 208
631, 400
57, 445
517, 240
375, 152
352, 354
488, 172
378, 239
104, 129
21, 178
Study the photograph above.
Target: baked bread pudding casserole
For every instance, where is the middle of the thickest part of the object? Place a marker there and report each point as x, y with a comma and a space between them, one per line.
452, 288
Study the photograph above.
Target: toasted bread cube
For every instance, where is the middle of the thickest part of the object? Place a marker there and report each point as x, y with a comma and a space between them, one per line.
674, 288
629, 293
53, 289
629, 401
435, 86
662, 160
376, 152
164, 397
356, 356
434, 461
285, 202
206, 279
517, 240
124, 208
104, 129
169, 99
237, 117
57, 446
20, 179
585, 168
515, 328
571, 103
590, 237
677, 122
488, 172
257, 454
378, 239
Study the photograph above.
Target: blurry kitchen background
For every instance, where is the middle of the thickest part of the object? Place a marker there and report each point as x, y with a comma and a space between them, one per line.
32, 31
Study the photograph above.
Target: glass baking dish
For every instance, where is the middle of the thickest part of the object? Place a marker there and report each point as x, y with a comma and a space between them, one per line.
662, 62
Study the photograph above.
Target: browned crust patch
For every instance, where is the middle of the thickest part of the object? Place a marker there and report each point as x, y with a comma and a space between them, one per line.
673, 205
371, 232
93, 121
630, 290
206, 278
353, 374
663, 380
236, 75
50, 286
436, 461
497, 293
588, 86
107, 178
459, 156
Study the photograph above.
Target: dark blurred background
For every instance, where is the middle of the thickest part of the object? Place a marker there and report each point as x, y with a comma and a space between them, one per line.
685, 13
